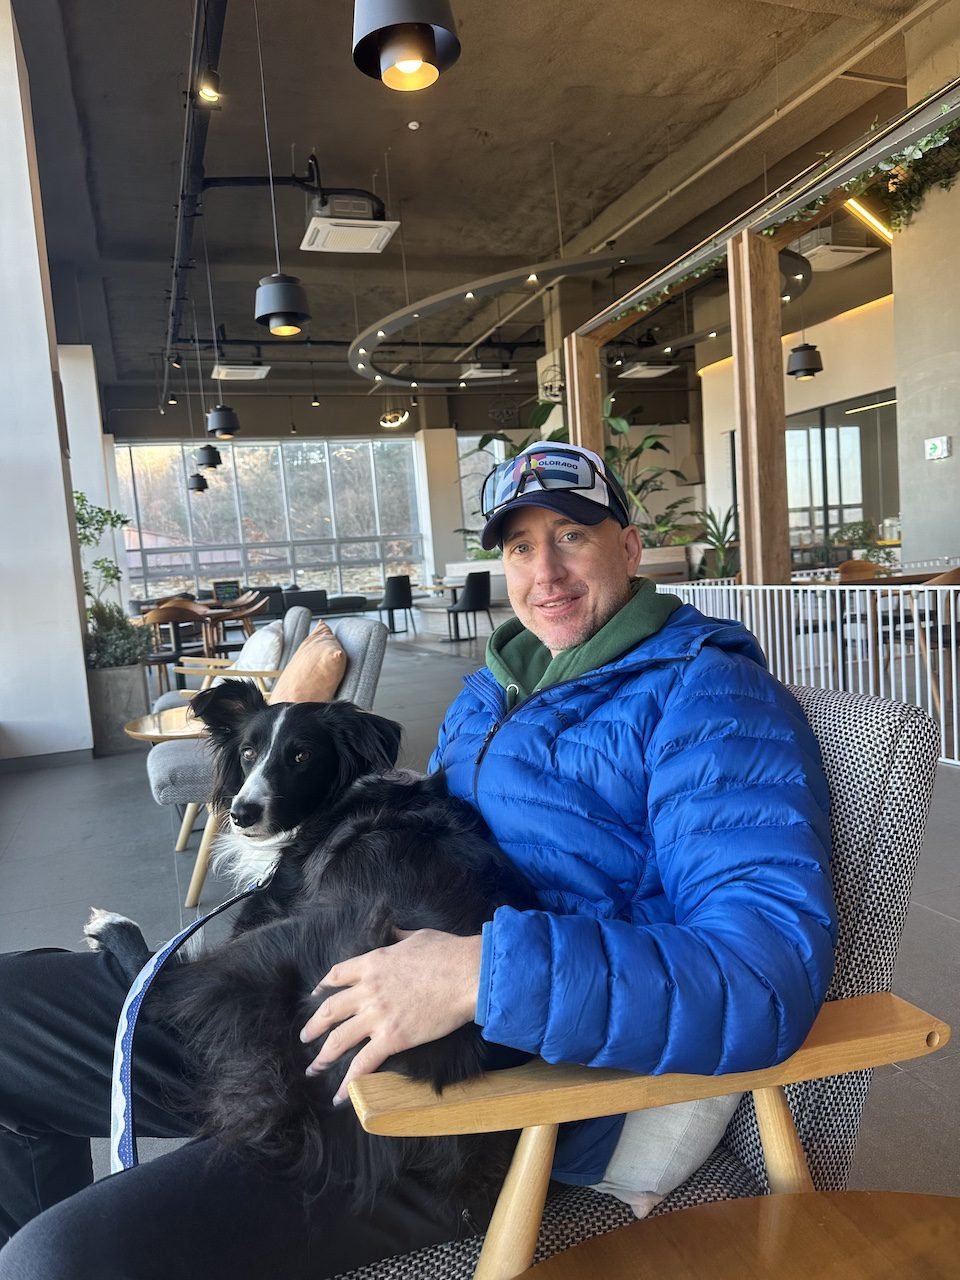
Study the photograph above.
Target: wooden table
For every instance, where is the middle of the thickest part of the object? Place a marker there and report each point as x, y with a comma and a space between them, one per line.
833, 1235
165, 726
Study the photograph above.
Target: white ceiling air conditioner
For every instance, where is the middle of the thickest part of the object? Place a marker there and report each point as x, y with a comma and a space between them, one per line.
644, 369
346, 224
831, 247
485, 373
239, 372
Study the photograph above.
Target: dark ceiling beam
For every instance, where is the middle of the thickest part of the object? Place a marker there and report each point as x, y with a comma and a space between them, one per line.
312, 268
209, 17
865, 77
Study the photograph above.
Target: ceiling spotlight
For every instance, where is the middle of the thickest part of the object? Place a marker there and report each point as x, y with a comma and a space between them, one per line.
196, 483
222, 422
315, 402
293, 427
623, 262
805, 362
667, 350
175, 361
377, 378
281, 304
208, 457
469, 296
414, 402
414, 384
532, 278
799, 277
416, 315
712, 333
363, 351
208, 87
785, 297
404, 43
393, 418
381, 333
413, 124
361, 365
463, 384
171, 398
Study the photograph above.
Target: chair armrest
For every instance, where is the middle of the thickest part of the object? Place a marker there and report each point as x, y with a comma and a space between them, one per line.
226, 672
200, 662
848, 1035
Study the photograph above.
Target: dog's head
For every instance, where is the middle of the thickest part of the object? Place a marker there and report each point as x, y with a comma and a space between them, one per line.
279, 764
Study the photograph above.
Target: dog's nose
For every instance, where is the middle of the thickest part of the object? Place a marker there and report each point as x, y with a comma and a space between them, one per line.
246, 812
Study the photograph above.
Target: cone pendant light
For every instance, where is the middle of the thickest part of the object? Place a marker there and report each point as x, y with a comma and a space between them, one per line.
407, 44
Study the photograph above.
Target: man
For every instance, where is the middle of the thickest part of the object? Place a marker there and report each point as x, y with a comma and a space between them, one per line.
663, 795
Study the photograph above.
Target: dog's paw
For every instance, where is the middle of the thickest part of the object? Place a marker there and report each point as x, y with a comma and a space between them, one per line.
99, 926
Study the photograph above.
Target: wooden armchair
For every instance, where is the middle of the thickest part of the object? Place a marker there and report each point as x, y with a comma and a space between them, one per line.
797, 1125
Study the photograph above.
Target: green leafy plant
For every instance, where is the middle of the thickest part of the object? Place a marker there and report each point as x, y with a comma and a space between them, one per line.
720, 535
112, 639
860, 535
641, 479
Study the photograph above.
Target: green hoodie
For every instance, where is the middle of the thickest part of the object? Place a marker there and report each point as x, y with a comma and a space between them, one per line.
519, 661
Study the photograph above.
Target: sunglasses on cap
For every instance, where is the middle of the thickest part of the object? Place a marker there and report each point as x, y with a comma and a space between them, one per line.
550, 469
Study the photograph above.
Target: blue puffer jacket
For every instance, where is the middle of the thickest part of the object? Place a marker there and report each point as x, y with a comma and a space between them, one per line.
670, 810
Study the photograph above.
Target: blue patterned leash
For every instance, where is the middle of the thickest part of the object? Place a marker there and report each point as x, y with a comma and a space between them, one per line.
123, 1144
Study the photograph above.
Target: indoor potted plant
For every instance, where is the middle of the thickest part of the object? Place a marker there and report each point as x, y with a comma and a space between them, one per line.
114, 645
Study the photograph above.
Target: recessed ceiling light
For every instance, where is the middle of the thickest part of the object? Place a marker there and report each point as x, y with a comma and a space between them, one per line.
361, 366
413, 124
377, 378
463, 384
381, 333
667, 350
623, 262
798, 277
469, 296
416, 315
363, 351
785, 297
414, 384
532, 278
712, 333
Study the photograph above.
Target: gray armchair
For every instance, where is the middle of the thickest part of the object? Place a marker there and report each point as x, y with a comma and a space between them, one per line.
880, 759
181, 772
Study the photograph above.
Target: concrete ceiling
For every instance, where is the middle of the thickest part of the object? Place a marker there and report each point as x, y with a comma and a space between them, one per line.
660, 121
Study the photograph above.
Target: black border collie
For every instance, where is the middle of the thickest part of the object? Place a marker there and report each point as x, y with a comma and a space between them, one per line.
358, 853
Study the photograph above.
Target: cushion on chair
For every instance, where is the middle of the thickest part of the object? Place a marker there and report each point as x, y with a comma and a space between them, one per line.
181, 772
314, 672
261, 652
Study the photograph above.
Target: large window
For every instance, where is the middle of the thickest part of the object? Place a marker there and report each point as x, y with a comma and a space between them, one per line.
841, 469
338, 514
474, 465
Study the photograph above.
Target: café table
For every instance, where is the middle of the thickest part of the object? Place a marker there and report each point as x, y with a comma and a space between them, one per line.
454, 589
843, 1235
173, 724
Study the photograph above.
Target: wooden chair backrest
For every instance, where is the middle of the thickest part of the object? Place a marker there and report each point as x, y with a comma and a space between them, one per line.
949, 578
852, 570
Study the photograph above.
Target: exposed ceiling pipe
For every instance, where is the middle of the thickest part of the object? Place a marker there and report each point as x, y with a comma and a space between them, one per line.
209, 17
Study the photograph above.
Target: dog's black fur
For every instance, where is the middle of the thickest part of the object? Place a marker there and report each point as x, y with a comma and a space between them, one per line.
362, 856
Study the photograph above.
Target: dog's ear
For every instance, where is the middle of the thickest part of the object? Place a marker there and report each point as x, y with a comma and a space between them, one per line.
366, 743
225, 707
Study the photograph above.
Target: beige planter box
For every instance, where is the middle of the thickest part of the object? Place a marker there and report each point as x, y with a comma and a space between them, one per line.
117, 694
664, 564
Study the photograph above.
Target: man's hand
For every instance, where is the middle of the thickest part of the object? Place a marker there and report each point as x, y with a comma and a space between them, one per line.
421, 988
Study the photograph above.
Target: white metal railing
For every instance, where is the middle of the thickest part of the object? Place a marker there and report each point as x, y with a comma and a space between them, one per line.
898, 642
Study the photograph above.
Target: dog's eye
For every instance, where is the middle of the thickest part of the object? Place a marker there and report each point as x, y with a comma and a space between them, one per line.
302, 757
248, 755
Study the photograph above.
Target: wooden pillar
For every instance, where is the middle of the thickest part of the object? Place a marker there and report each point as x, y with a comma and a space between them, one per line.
581, 360
754, 273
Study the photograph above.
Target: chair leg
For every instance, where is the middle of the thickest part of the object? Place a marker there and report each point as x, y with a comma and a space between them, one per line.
186, 827
512, 1235
203, 859
412, 623
489, 619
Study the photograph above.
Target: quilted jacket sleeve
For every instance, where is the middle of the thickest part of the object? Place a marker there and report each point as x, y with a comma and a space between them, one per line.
738, 820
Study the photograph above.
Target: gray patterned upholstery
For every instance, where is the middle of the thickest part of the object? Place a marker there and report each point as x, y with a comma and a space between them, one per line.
296, 624
880, 759
182, 772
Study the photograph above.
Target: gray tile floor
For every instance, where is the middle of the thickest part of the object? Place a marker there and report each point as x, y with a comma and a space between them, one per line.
88, 834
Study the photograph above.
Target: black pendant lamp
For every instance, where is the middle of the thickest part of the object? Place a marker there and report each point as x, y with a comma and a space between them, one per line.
196, 483
222, 422
281, 302
805, 362
208, 457
405, 43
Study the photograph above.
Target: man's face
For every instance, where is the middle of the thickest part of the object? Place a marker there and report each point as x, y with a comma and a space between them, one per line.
566, 580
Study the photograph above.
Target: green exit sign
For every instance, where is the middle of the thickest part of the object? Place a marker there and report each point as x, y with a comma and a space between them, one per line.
937, 447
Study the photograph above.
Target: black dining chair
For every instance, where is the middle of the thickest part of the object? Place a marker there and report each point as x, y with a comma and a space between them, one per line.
397, 595
475, 599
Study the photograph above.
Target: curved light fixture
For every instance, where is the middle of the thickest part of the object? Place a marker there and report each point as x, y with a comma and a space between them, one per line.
407, 44
222, 422
391, 419
208, 457
281, 305
208, 86
196, 483
805, 362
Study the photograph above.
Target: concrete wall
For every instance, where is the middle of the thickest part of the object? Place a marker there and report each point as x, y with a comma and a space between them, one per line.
438, 483
926, 276
43, 690
859, 357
